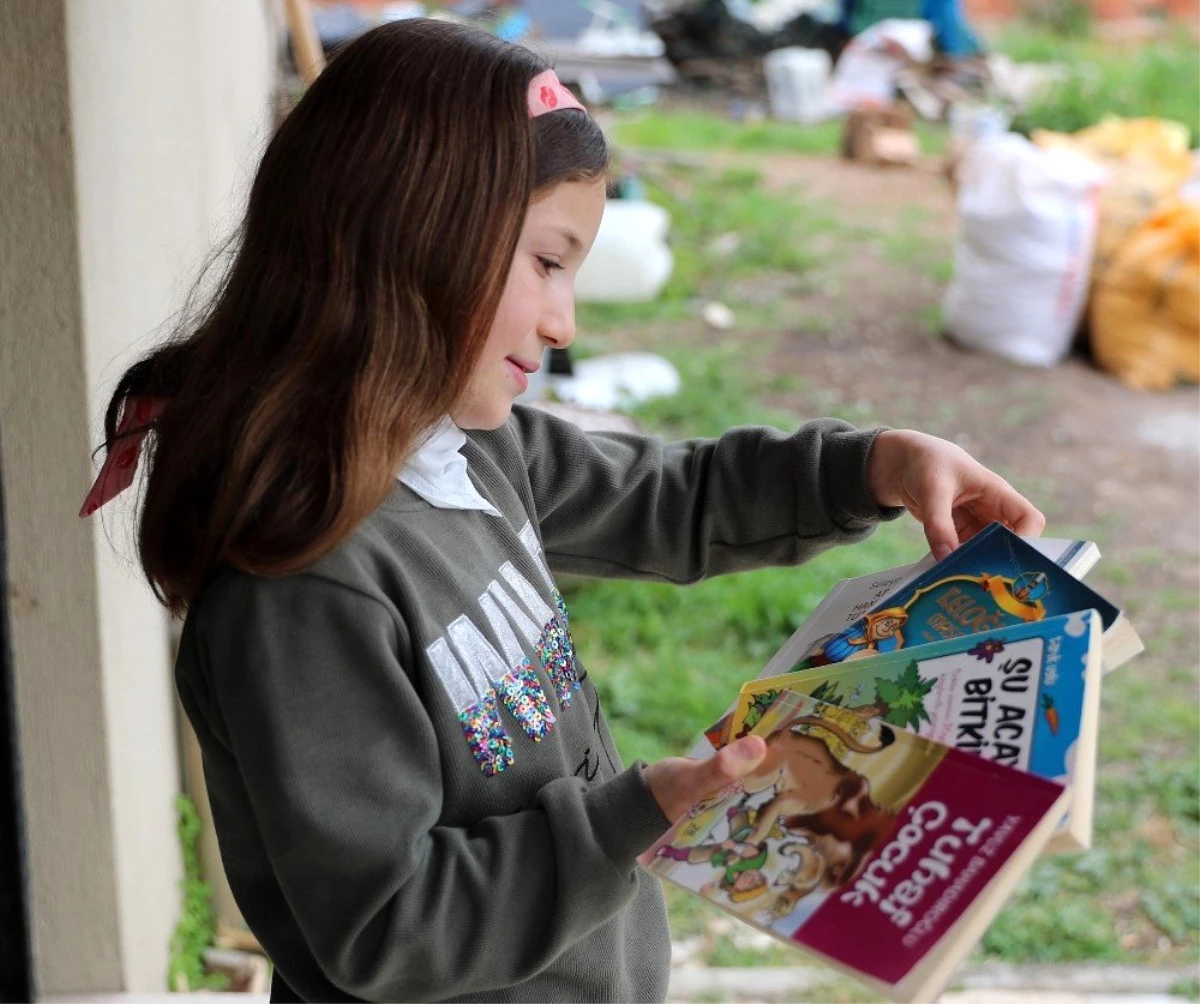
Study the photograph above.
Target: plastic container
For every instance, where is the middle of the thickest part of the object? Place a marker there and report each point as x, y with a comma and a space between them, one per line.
797, 83
617, 381
630, 260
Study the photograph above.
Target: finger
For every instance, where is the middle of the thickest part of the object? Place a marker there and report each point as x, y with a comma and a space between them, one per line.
1002, 503
936, 513
1021, 514
678, 783
732, 763
967, 523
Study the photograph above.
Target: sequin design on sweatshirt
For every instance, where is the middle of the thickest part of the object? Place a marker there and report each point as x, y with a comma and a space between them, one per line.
554, 647
520, 688
475, 698
487, 670
490, 744
487, 675
557, 653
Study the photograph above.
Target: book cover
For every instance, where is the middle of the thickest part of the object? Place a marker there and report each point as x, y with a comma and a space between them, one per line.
1026, 696
993, 580
843, 614
850, 599
886, 859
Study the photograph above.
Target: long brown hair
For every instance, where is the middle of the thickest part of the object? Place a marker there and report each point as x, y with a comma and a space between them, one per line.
377, 240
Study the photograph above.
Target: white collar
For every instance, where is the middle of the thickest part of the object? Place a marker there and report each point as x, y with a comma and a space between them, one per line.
437, 471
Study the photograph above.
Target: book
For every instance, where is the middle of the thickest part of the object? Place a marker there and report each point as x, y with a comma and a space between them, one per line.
850, 599
884, 854
974, 588
963, 694
1026, 696
995, 578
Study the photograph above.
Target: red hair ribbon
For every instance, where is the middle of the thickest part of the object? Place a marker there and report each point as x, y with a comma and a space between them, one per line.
547, 94
120, 466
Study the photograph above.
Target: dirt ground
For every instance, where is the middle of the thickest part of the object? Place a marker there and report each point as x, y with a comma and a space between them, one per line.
1103, 461
858, 334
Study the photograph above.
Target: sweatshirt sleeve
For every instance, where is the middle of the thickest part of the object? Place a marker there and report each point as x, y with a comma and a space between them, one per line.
340, 765
631, 506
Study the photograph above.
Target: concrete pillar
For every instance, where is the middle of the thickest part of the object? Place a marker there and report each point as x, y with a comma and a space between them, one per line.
128, 133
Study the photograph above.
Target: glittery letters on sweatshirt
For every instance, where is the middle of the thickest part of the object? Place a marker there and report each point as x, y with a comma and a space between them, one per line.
480, 679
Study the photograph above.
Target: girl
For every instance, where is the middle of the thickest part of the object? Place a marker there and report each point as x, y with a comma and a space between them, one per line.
414, 789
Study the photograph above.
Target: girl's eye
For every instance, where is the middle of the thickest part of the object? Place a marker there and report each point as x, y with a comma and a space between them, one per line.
549, 264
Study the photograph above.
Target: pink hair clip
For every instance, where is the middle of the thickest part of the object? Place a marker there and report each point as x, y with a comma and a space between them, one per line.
547, 94
120, 465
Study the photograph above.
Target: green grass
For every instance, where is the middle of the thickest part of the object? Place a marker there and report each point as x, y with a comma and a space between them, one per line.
774, 233
1157, 80
910, 245
1187, 989
1054, 917
668, 660
723, 386
701, 130
673, 130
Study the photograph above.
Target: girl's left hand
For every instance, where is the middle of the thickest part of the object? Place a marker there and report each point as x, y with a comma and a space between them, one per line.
952, 495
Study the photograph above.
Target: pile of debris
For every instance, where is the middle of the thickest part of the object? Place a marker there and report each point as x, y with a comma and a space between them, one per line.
709, 44
877, 73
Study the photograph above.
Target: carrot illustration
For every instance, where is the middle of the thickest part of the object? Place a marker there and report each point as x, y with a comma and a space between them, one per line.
1051, 713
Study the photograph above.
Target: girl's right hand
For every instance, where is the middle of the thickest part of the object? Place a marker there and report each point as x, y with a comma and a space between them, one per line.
678, 783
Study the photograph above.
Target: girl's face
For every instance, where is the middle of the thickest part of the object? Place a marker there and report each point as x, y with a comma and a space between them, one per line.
537, 308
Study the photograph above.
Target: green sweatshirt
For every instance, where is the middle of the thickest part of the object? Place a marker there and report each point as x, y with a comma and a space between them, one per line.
413, 786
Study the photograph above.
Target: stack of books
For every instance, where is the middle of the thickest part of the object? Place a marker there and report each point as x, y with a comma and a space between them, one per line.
930, 731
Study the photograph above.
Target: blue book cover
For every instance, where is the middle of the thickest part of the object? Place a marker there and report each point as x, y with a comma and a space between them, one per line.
993, 580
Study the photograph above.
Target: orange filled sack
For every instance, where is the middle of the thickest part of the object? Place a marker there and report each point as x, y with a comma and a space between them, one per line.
1146, 159
1145, 315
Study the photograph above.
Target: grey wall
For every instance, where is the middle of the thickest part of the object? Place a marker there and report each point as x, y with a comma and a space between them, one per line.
128, 132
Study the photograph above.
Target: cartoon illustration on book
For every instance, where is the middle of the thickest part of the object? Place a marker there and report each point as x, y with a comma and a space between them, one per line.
898, 701
739, 862
805, 821
946, 607
869, 829
877, 632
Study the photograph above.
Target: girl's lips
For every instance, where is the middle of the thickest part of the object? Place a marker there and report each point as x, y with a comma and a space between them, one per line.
518, 374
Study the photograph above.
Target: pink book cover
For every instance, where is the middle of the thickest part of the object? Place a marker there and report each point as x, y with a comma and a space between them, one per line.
862, 843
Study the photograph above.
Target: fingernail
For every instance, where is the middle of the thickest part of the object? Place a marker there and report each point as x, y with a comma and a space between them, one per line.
748, 749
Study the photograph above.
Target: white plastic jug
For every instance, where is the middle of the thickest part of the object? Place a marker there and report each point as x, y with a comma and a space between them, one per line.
630, 260
797, 83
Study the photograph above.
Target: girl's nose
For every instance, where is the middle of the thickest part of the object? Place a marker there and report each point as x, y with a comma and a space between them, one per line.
557, 324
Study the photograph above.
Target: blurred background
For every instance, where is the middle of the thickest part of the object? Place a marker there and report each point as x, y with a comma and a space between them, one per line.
977, 218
